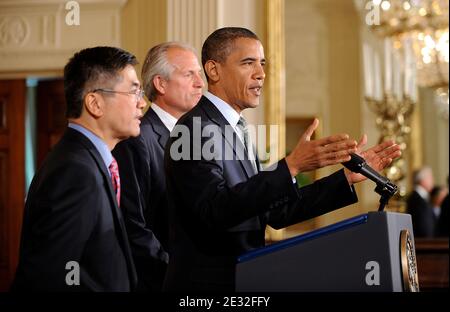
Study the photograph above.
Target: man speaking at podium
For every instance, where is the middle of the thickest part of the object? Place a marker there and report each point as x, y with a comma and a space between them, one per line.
219, 207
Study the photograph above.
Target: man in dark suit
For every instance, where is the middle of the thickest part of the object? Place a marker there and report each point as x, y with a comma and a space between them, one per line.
418, 204
443, 223
172, 81
73, 233
221, 202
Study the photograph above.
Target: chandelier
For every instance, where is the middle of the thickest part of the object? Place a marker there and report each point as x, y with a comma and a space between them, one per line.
424, 24
412, 52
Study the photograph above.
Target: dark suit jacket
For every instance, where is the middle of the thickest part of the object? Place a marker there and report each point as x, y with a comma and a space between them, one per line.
219, 209
423, 218
443, 221
144, 199
71, 214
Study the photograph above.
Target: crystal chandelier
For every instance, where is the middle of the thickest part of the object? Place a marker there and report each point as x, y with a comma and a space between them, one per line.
425, 24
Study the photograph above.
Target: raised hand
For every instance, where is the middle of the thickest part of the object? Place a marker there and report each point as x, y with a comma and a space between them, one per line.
309, 155
378, 157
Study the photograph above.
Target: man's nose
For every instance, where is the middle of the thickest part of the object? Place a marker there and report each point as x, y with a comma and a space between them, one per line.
141, 103
259, 72
198, 83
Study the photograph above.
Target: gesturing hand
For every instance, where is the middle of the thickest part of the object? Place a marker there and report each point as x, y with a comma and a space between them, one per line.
309, 155
378, 157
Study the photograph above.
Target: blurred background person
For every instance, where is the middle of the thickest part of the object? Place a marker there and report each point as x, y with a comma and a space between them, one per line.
418, 203
443, 221
437, 196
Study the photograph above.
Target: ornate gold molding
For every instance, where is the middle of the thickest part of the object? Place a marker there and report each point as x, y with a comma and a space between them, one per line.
275, 84
408, 263
416, 147
36, 37
192, 20
139, 32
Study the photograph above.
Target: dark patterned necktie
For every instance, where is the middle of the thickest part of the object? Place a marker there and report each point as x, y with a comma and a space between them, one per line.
242, 126
114, 169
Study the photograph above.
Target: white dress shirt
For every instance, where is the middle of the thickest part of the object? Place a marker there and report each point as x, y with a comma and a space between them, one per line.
168, 120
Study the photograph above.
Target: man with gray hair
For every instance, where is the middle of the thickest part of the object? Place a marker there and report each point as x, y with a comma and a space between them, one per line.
423, 218
172, 81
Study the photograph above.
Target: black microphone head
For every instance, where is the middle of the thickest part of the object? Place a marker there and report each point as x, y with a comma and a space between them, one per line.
355, 163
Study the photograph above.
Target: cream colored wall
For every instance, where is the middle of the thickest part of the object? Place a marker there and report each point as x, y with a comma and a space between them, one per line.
323, 75
306, 60
369, 200
434, 136
192, 21
143, 26
36, 40
147, 23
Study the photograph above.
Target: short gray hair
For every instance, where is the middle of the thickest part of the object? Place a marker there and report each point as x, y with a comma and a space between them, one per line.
421, 174
157, 63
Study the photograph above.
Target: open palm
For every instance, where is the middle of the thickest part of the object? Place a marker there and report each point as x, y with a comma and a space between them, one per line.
378, 157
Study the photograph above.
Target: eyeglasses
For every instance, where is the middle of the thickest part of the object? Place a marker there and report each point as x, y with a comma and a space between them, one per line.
139, 93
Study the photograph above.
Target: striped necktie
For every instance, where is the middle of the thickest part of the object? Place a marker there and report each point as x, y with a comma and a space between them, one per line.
242, 126
114, 169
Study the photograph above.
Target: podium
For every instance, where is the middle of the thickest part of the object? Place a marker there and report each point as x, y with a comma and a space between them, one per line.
370, 252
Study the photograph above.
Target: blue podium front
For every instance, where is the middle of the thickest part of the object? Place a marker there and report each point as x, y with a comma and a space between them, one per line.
370, 252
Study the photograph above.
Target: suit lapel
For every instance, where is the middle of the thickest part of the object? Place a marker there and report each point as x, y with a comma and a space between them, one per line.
258, 164
121, 230
158, 127
237, 146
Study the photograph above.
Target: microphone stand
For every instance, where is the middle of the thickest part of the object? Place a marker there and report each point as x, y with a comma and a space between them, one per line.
386, 190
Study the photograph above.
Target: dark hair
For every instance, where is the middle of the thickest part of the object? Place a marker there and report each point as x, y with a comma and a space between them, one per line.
435, 191
90, 67
219, 44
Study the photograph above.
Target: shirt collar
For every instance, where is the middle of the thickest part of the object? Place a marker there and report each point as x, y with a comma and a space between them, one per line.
227, 111
168, 120
99, 144
422, 192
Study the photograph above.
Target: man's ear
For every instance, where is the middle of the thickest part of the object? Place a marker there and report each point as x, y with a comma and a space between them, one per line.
160, 84
212, 70
94, 104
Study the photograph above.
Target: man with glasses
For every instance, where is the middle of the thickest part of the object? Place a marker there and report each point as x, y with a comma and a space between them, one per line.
73, 233
172, 81
138, 93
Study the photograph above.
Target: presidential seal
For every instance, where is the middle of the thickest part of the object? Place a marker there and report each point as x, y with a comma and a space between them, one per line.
408, 263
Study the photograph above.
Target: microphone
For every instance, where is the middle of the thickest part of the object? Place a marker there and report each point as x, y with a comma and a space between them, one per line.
384, 186
358, 164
